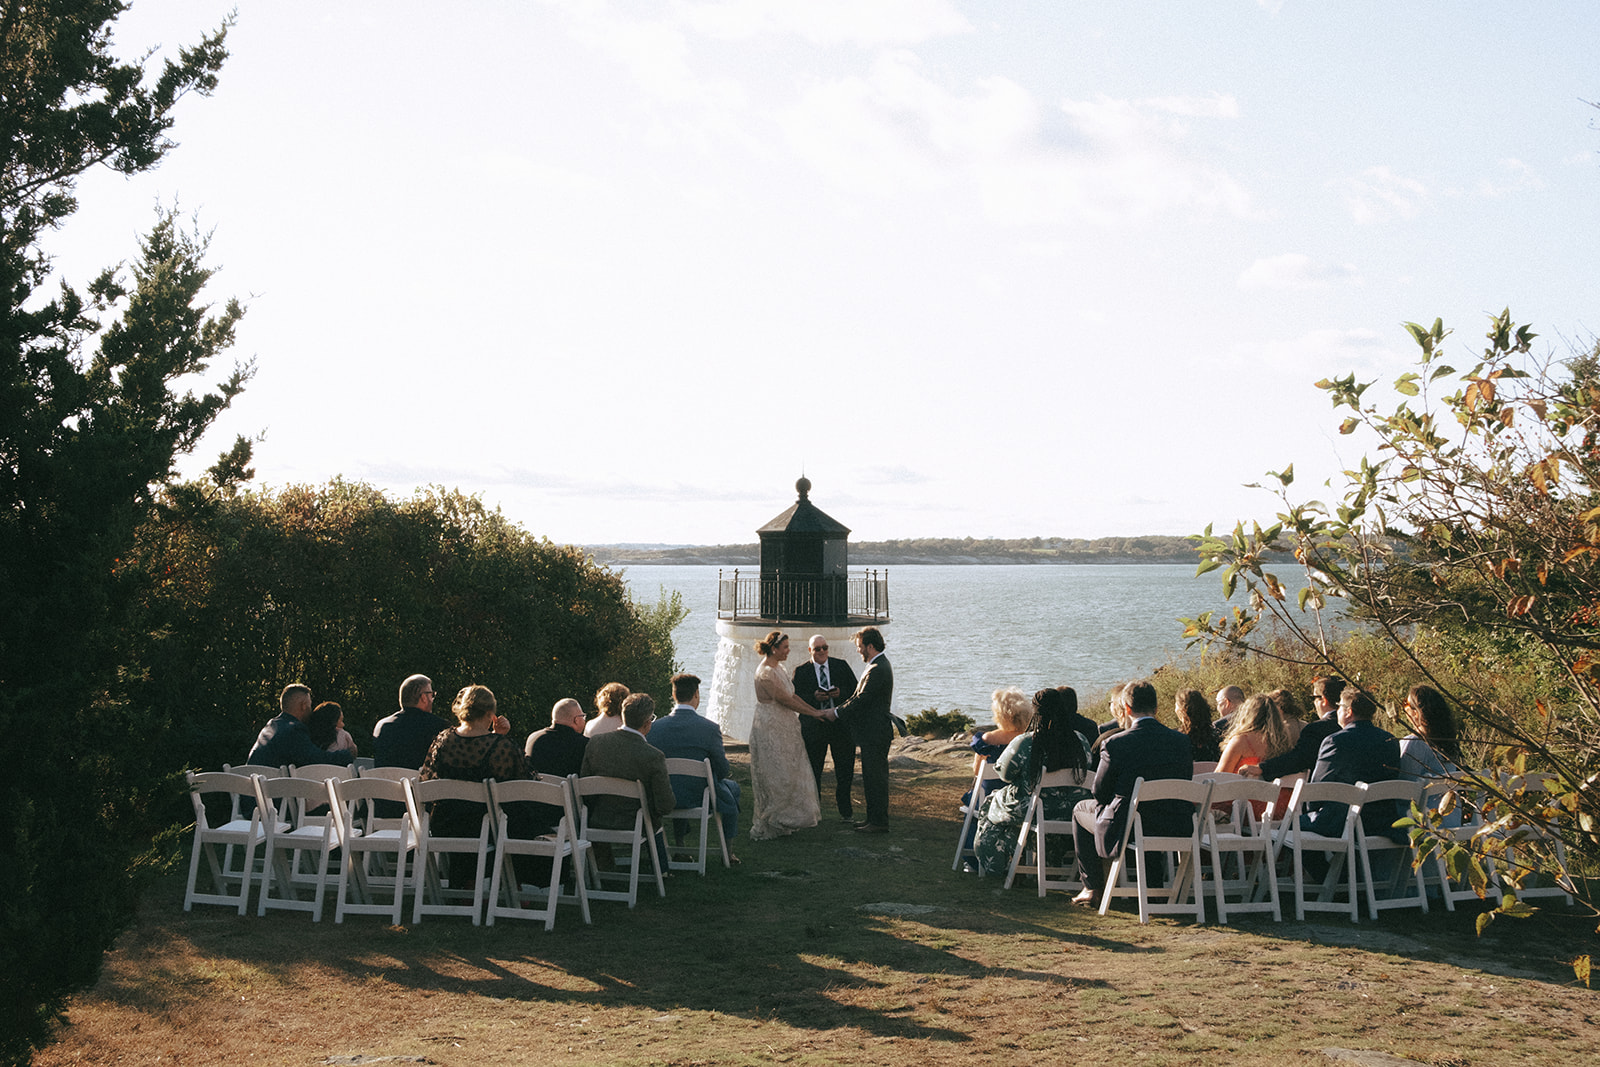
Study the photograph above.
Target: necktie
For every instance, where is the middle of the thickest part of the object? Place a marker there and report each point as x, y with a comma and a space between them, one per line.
822, 680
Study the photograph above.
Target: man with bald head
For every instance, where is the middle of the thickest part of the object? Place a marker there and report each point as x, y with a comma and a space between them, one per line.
1229, 698
558, 748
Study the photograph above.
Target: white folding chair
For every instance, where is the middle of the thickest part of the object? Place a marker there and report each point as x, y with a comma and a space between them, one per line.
505, 888
1370, 845
640, 838
276, 799
1341, 848
1182, 851
1543, 843
969, 812
362, 845
1245, 838
245, 831
434, 890
244, 804
1036, 830
1204, 767
705, 814
1459, 795
382, 815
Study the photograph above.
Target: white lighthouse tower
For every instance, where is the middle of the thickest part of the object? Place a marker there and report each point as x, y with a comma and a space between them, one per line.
804, 587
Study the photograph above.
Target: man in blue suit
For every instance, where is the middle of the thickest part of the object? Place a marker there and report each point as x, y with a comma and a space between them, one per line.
685, 734
1148, 750
1361, 752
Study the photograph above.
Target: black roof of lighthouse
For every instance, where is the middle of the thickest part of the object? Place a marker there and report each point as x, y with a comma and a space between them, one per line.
804, 517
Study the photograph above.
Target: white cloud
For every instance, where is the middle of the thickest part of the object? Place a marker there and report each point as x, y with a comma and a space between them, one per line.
1379, 194
827, 22
1516, 177
1320, 353
1294, 271
1105, 161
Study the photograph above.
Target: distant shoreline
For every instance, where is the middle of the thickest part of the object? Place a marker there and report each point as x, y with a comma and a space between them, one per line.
927, 551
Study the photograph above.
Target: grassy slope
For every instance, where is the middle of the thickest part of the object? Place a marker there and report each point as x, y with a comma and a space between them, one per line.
776, 961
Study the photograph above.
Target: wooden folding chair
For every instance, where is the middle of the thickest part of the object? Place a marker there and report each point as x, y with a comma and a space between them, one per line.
1182, 851
1036, 831
640, 838
245, 831
363, 844
433, 889
705, 813
506, 890
972, 809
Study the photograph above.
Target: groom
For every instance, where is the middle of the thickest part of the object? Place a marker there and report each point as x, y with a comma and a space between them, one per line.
867, 715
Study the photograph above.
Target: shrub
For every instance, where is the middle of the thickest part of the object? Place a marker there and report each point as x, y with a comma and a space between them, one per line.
931, 722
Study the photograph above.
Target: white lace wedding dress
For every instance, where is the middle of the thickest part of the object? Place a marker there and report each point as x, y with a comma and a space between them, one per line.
786, 793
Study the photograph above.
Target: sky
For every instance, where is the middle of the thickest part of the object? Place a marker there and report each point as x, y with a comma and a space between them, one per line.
628, 269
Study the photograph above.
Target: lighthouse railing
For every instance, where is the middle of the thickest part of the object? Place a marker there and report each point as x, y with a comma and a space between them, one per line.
836, 598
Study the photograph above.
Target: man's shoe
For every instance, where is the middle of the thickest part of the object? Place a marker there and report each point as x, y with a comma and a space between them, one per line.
849, 818
871, 828
1088, 898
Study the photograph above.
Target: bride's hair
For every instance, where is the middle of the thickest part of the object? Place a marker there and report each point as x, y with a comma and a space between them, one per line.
769, 644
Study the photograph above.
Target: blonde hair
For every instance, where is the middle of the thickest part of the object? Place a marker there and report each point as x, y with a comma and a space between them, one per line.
1013, 709
473, 703
609, 697
1262, 715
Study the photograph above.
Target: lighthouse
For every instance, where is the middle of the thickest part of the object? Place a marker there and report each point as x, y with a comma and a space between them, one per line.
803, 587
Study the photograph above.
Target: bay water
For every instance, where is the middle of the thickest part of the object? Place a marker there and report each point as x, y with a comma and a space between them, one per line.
958, 632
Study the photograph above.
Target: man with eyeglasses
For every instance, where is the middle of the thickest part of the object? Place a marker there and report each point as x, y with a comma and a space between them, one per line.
820, 682
403, 738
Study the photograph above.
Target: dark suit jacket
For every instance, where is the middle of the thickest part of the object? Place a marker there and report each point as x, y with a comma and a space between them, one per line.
1145, 750
839, 674
867, 710
625, 754
1303, 756
286, 740
403, 739
1361, 752
557, 749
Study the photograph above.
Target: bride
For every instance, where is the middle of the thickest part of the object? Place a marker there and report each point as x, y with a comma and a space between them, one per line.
786, 791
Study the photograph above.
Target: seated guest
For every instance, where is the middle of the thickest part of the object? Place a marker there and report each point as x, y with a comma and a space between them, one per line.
1013, 712
1431, 750
1118, 722
285, 740
1302, 757
1146, 749
326, 727
685, 734
608, 701
1258, 733
1360, 752
1230, 698
476, 749
1080, 722
1051, 745
624, 753
558, 748
1194, 719
403, 739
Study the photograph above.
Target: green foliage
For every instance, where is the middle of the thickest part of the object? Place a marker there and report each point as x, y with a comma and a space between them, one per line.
1471, 547
91, 421
348, 591
931, 722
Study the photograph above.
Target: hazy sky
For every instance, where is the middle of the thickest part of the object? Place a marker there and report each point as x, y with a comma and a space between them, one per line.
980, 269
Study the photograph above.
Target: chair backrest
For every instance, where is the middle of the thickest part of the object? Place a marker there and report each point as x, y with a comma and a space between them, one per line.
234, 785
595, 786
247, 769
1057, 779
693, 768
1394, 789
1308, 792
1218, 776
347, 793
321, 772
1237, 792
1159, 790
393, 774
533, 791
1204, 767
988, 772
419, 794
303, 792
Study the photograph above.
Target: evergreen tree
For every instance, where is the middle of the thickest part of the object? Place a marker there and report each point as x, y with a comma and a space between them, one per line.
91, 423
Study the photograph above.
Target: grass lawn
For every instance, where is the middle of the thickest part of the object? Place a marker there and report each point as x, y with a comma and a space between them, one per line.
834, 947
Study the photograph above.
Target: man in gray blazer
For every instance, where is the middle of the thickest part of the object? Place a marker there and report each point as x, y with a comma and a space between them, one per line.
624, 753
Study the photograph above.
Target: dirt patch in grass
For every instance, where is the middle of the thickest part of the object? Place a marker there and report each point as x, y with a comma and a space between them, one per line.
830, 947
